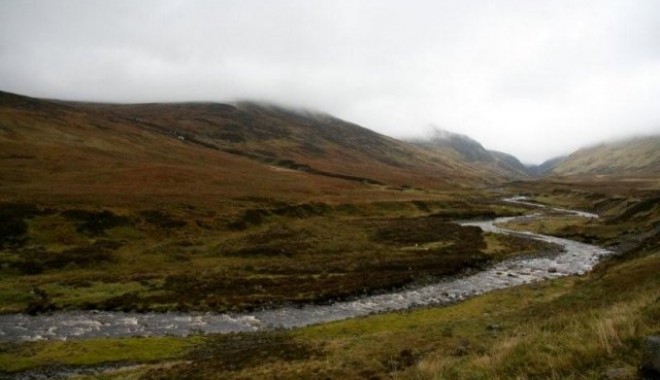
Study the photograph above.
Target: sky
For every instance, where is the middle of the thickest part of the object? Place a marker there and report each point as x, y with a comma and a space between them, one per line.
536, 79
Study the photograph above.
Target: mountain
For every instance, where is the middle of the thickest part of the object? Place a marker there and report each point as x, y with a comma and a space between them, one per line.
468, 150
61, 149
511, 163
546, 167
636, 156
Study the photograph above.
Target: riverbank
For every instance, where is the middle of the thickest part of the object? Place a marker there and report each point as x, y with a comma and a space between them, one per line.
569, 328
575, 258
268, 255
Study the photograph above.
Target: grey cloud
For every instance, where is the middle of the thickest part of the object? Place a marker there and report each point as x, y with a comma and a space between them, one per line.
535, 79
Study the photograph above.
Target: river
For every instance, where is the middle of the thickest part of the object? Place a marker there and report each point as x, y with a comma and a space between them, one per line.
574, 259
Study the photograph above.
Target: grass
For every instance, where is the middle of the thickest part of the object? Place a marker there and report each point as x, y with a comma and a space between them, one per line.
112, 210
559, 340
548, 224
570, 328
271, 253
14, 358
499, 246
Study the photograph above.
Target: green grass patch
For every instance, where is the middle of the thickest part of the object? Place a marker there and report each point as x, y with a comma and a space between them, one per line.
89, 292
500, 246
20, 357
14, 296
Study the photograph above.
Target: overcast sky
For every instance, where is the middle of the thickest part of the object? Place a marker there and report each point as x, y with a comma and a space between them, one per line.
533, 78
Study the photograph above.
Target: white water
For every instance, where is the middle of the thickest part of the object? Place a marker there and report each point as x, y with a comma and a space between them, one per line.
576, 258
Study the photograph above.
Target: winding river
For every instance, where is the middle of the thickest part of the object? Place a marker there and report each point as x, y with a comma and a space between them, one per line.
574, 258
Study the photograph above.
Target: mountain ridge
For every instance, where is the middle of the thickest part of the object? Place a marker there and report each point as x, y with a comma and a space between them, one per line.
270, 136
123, 150
470, 150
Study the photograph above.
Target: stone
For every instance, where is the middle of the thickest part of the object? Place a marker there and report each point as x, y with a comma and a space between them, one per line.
650, 367
552, 270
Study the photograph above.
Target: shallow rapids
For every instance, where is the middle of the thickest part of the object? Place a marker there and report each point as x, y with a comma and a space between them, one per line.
574, 258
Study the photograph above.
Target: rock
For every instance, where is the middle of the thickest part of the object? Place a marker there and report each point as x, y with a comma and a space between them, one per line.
552, 270
650, 368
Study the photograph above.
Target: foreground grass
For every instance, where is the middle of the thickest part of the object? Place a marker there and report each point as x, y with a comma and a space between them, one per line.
578, 334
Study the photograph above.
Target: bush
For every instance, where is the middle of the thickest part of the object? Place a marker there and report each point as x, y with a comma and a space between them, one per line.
161, 219
35, 261
95, 222
12, 222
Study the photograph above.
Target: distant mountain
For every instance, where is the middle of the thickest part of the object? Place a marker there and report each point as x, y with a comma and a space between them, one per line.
636, 156
471, 151
546, 167
510, 162
69, 149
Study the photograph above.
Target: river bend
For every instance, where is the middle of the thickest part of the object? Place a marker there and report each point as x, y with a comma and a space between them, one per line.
574, 259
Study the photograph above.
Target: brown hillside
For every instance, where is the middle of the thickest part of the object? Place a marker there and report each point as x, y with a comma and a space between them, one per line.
87, 151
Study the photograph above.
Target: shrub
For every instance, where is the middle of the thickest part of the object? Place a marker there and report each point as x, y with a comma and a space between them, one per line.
35, 261
95, 222
161, 219
12, 222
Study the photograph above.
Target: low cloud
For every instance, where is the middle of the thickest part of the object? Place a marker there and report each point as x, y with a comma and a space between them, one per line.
536, 79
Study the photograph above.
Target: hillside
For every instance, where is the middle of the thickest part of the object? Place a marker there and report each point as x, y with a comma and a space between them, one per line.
637, 156
545, 167
223, 207
465, 149
80, 150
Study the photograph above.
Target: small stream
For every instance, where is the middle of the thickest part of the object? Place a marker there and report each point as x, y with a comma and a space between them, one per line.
574, 258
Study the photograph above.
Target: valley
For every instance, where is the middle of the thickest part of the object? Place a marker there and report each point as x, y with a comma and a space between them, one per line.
263, 217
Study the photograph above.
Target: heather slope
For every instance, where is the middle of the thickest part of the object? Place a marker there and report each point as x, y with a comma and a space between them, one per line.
637, 156
79, 151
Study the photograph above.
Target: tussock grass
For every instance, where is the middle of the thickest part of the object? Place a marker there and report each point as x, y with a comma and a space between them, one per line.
570, 343
572, 346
